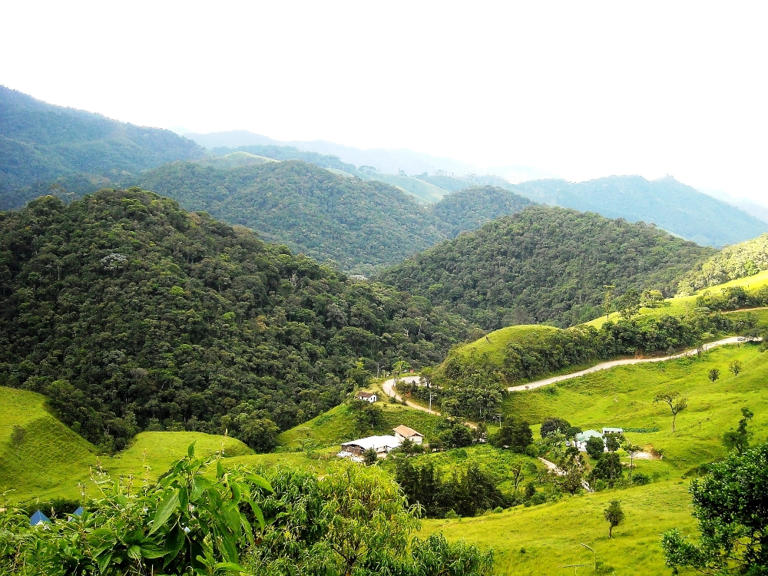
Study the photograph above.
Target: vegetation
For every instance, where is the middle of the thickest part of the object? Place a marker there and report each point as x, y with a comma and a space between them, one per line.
544, 265
470, 208
41, 143
731, 263
360, 226
666, 203
731, 508
131, 314
614, 515
355, 521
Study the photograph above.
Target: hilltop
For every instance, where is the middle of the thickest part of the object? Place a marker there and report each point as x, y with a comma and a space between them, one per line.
132, 314
544, 264
41, 143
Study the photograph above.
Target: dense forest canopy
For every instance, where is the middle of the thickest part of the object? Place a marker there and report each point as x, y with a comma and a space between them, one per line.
544, 264
669, 204
41, 143
356, 224
130, 313
471, 208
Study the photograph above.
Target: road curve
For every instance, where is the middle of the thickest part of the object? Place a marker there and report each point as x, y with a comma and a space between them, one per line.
626, 361
389, 389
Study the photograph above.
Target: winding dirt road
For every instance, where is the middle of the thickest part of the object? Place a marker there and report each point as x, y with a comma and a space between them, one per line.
389, 389
627, 361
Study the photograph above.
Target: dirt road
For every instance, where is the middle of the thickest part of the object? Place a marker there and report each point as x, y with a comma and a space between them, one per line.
624, 362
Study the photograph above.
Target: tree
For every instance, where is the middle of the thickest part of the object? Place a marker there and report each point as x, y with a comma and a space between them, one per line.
735, 367
551, 425
713, 374
370, 457
514, 434
614, 515
613, 442
731, 506
631, 450
675, 402
628, 304
608, 468
595, 447
738, 439
259, 433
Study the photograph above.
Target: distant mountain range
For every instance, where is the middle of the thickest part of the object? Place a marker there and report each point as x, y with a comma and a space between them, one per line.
382, 160
49, 149
41, 143
667, 203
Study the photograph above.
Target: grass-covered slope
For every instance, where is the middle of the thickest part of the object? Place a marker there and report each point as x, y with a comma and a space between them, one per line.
40, 143
40, 457
132, 314
673, 206
359, 225
731, 263
544, 264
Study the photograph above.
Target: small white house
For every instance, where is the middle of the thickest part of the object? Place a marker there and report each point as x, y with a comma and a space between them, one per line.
367, 396
405, 433
583, 437
613, 431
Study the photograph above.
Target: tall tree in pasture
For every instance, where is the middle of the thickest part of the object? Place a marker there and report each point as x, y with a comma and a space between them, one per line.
713, 374
675, 401
631, 450
614, 515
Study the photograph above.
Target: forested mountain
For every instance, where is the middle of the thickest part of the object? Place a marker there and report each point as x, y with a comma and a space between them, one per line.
130, 313
471, 208
544, 264
40, 143
359, 225
732, 262
670, 205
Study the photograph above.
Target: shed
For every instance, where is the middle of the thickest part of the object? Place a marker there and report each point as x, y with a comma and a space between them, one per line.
382, 445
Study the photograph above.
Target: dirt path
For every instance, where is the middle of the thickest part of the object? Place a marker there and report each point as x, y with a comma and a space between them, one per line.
625, 362
389, 389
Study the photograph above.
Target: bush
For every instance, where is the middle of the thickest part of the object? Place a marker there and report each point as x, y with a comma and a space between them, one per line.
640, 479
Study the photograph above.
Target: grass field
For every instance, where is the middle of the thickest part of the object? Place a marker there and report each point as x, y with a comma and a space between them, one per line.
41, 458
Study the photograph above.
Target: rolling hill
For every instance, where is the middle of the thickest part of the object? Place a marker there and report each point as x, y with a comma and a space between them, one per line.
41, 143
544, 264
669, 204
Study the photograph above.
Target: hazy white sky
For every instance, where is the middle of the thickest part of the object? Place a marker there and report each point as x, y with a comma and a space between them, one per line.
575, 89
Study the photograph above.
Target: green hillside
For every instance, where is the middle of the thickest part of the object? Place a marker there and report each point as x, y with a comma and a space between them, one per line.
668, 204
361, 226
731, 263
131, 314
544, 265
40, 457
41, 143
470, 208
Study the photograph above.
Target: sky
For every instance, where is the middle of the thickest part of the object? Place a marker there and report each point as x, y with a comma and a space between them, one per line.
567, 89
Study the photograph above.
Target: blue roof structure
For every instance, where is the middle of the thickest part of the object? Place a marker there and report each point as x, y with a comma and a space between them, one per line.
38, 518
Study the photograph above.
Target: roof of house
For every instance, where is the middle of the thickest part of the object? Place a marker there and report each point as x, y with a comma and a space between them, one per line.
375, 442
365, 394
587, 434
38, 518
613, 430
403, 430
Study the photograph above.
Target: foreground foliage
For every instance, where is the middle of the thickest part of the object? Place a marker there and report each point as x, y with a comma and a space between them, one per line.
731, 506
353, 521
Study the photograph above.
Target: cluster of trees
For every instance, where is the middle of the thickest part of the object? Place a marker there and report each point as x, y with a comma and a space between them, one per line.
353, 522
544, 264
732, 262
464, 492
733, 298
470, 208
130, 314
